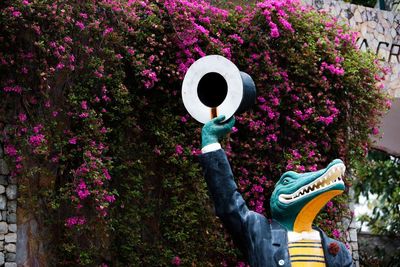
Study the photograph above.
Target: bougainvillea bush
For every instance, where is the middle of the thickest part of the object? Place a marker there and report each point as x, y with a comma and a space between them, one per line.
96, 133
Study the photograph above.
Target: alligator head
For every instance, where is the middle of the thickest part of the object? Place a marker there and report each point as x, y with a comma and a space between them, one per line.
298, 198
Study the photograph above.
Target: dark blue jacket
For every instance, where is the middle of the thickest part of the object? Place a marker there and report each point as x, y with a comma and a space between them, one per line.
263, 241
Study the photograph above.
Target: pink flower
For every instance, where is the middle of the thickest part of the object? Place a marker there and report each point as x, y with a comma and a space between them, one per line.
237, 38
274, 33
107, 31
336, 233
68, 39
329, 204
176, 261
72, 221
238, 8
10, 150
274, 30
388, 104
36, 140
16, 14
84, 105
22, 117
80, 25
60, 66
178, 149
109, 198
286, 24
261, 99
106, 174
83, 115
82, 190
16, 89
72, 141
326, 120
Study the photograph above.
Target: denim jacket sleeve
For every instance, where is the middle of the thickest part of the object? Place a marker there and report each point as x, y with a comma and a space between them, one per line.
230, 207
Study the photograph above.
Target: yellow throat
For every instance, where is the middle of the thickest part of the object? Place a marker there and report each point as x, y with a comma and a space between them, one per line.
308, 213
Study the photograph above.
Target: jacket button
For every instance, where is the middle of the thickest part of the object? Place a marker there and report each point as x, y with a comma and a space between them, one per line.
281, 262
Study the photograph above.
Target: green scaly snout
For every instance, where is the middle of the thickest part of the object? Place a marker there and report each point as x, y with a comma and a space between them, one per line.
294, 191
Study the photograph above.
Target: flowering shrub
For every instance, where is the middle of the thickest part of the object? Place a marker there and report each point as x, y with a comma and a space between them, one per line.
90, 111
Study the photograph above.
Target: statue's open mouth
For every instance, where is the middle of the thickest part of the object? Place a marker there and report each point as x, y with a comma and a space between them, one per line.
332, 177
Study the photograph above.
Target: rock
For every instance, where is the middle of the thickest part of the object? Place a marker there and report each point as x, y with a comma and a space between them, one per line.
1, 258
3, 180
4, 215
10, 264
11, 248
11, 191
1, 152
1, 236
12, 180
353, 235
356, 256
12, 218
2, 189
3, 227
11, 238
4, 168
10, 257
3, 202
12, 228
12, 206
1, 245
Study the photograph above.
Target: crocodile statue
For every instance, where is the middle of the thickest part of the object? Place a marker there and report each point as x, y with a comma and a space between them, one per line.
288, 239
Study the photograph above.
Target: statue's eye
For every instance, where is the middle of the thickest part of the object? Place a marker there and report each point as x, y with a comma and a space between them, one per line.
285, 181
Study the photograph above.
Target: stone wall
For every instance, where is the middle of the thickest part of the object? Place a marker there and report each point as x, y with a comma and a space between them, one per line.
379, 32
8, 217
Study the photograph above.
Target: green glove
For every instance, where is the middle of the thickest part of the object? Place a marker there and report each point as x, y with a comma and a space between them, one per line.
215, 130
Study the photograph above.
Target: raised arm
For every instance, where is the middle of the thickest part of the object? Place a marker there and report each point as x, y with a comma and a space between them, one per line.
229, 204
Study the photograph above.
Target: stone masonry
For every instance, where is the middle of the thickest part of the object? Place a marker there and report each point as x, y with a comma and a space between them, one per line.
8, 215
